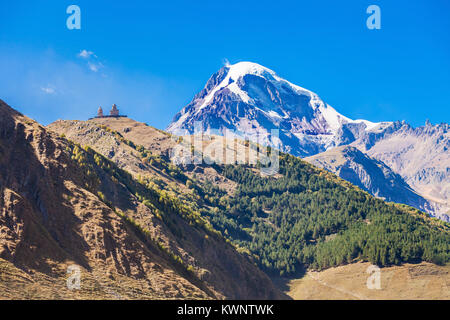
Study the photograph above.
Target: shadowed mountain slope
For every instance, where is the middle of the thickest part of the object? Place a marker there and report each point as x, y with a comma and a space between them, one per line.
64, 204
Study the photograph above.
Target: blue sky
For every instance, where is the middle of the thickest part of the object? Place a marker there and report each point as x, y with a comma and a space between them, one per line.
152, 57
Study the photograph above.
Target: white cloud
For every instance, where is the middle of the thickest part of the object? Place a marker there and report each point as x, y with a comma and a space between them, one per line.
85, 54
95, 66
48, 90
93, 62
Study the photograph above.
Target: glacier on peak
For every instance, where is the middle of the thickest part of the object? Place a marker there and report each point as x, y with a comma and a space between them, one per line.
252, 100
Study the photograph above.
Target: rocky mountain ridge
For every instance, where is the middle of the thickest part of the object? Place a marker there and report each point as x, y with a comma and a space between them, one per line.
371, 175
420, 155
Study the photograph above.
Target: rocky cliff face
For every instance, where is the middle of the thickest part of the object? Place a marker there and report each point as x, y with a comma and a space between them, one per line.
62, 204
420, 155
369, 174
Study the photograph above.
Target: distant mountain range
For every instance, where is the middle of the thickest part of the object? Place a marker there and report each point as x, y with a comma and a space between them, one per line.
252, 100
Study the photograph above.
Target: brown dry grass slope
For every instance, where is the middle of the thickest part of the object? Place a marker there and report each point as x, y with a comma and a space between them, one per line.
349, 282
50, 219
62, 204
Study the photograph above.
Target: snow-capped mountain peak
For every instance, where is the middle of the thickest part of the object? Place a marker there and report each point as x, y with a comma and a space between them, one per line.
252, 99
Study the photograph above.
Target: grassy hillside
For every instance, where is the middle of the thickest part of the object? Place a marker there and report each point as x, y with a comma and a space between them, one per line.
349, 282
62, 203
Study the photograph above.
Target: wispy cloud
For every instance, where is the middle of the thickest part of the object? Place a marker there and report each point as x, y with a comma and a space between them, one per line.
93, 62
85, 54
48, 90
95, 67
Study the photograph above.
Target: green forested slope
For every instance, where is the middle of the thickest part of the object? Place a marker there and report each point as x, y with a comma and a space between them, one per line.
310, 217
